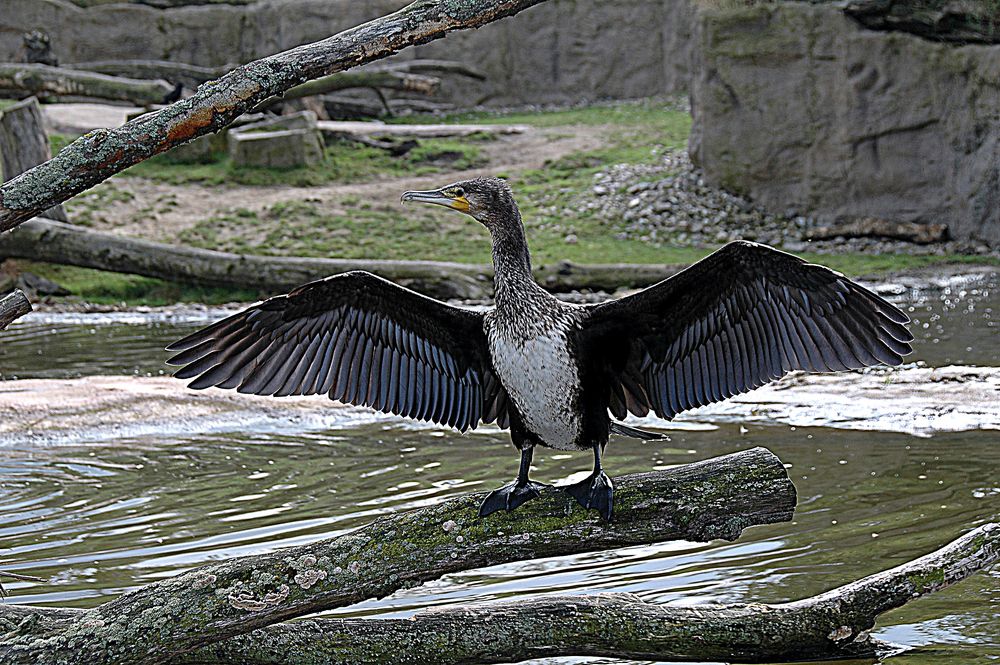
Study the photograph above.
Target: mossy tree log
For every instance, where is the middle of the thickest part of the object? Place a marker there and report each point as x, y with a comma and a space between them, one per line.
831, 626
715, 498
47, 240
23, 80
12, 307
98, 155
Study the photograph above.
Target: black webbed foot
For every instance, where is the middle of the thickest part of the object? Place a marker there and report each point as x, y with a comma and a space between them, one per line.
595, 491
510, 496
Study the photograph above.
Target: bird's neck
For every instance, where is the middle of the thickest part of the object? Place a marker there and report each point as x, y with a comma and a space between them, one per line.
512, 278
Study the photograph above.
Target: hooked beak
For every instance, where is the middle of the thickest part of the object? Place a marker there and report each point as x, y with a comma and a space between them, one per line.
437, 197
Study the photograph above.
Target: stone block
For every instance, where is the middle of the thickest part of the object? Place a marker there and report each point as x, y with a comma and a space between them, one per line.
283, 149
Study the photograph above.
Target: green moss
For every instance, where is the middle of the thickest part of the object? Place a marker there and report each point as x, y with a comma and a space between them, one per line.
98, 286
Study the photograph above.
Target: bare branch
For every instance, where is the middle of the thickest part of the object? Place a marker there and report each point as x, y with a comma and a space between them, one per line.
12, 307
98, 155
716, 498
833, 625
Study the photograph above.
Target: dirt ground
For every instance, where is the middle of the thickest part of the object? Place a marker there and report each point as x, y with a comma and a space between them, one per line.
159, 211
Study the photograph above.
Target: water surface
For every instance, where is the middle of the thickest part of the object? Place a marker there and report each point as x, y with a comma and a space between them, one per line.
97, 520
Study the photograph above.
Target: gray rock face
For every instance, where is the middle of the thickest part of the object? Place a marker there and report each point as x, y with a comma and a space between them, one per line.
559, 51
801, 109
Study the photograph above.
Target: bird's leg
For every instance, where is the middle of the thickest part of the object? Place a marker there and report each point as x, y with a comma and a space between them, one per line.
596, 490
512, 495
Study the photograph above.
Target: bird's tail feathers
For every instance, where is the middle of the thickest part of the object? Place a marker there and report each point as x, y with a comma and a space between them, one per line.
635, 433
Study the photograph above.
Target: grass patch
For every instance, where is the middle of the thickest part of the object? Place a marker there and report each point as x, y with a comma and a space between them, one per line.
646, 112
343, 162
111, 288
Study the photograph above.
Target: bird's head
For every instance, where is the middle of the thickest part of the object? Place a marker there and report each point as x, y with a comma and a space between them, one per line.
488, 200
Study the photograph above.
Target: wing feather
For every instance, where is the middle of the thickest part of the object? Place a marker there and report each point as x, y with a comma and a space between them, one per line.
358, 339
742, 317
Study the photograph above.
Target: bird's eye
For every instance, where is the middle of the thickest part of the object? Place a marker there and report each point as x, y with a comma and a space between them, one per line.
459, 191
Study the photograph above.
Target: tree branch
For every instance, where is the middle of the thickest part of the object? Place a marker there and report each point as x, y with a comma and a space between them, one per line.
833, 625
12, 307
716, 498
98, 155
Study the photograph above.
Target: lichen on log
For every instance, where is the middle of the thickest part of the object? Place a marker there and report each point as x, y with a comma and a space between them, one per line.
715, 498
98, 155
832, 625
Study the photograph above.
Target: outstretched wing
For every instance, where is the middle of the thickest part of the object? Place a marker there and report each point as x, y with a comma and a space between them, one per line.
360, 339
740, 318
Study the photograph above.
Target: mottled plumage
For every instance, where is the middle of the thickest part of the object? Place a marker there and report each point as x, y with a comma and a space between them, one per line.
552, 372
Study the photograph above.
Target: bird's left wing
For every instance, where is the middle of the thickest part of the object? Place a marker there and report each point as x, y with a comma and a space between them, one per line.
738, 319
360, 339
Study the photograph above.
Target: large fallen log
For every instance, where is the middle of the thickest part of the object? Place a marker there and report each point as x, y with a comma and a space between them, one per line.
191, 76
12, 307
98, 155
23, 80
707, 500
47, 240
831, 626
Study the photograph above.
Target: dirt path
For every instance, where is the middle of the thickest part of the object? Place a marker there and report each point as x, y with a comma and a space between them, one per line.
160, 211
103, 408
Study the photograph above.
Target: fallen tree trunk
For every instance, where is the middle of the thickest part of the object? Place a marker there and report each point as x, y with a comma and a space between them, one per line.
46, 240
97, 156
389, 79
12, 307
191, 76
707, 500
873, 227
42, 80
54, 242
831, 626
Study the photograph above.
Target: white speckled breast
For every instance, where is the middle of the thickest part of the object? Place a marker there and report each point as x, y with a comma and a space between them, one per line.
541, 379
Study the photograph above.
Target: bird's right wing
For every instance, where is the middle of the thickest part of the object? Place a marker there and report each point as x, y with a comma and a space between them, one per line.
738, 319
360, 339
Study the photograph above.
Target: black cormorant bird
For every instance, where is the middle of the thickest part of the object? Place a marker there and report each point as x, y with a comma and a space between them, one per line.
558, 375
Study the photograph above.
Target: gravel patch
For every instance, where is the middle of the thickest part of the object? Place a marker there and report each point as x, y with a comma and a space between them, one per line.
669, 202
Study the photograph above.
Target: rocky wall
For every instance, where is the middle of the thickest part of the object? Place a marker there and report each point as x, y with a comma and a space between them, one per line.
800, 108
560, 51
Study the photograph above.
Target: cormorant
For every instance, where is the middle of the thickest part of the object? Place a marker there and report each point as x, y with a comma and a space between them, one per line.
557, 374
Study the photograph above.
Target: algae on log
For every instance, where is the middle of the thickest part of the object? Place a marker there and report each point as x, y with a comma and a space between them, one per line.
832, 625
98, 155
46, 81
12, 307
47, 240
715, 498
